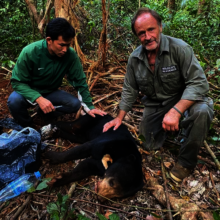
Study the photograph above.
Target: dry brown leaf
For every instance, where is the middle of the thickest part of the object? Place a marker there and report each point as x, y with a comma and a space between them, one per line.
150, 217
107, 214
167, 165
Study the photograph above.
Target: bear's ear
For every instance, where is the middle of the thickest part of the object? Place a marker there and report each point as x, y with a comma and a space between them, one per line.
131, 158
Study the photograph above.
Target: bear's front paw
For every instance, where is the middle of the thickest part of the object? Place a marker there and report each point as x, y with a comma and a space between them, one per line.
56, 181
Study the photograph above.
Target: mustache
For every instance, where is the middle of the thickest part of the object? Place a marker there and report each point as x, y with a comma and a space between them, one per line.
151, 40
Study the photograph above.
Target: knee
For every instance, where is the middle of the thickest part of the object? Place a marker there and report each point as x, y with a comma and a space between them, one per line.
203, 111
15, 100
75, 105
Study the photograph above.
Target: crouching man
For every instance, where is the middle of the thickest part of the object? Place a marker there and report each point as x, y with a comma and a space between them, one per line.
38, 74
167, 72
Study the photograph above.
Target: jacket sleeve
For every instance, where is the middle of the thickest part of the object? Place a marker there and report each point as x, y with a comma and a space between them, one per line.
21, 77
195, 80
77, 79
130, 89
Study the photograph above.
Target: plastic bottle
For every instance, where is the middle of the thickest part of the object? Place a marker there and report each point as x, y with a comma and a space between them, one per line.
18, 186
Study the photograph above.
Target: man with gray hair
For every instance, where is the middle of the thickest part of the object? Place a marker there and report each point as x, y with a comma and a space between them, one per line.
167, 72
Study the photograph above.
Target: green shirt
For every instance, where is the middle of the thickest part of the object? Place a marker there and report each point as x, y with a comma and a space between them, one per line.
177, 72
38, 72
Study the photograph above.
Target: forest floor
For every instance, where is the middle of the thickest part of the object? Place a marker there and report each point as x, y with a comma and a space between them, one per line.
197, 197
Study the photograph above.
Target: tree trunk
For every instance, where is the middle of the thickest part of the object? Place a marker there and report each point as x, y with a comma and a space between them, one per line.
42, 23
171, 5
32, 8
204, 6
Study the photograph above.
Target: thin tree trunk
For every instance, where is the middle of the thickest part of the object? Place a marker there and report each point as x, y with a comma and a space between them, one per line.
171, 5
33, 9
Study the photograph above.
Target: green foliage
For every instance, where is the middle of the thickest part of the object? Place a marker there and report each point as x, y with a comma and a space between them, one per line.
216, 215
58, 209
16, 30
201, 31
43, 184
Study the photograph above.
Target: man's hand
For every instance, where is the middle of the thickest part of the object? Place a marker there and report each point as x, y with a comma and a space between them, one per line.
171, 120
97, 112
45, 105
113, 123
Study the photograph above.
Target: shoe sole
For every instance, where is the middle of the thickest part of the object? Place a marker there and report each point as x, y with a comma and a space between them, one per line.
175, 178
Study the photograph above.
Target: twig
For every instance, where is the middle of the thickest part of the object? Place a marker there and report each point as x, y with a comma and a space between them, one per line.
166, 190
119, 63
121, 204
12, 210
72, 188
213, 184
86, 201
212, 154
94, 82
206, 160
83, 212
119, 36
26, 201
6, 69
214, 86
130, 126
106, 96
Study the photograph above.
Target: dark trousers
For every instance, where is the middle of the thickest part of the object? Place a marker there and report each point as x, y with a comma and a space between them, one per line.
194, 128
18, 106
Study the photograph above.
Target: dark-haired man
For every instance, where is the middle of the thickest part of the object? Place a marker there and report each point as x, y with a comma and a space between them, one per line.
39, 71
166, 71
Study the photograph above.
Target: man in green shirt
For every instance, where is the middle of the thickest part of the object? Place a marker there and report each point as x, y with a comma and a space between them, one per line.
39, 72
166, 71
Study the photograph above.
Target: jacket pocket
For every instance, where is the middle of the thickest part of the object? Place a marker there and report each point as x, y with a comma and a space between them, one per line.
145, 86
171, 82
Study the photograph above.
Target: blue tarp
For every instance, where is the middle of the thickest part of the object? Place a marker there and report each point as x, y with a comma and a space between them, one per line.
19, 151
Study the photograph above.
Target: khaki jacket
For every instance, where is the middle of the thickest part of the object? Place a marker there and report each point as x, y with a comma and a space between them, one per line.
177, 72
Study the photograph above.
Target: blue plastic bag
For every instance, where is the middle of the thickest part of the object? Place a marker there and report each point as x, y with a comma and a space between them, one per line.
19, 153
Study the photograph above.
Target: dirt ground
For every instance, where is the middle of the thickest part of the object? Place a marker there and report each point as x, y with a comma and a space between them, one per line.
196, 198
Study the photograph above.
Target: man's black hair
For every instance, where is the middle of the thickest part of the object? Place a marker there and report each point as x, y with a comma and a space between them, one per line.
141, 11
60, 27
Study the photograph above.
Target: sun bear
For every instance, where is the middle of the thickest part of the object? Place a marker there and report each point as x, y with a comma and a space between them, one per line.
112, 155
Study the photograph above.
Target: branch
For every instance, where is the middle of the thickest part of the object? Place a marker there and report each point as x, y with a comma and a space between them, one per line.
212, 154
41, 24
34, 11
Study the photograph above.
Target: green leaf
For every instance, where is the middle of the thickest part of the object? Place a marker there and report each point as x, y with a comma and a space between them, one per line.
43, 184
52, 207
65, 198
100, 216
142, 138
81, 217
32, 189
217, 107
59, 198
55, 216
216, 216
215, 138
155, 215
202, 58
114, 216
218, 62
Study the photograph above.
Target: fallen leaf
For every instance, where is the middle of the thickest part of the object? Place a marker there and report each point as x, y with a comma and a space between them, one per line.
167, 165
107, 214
